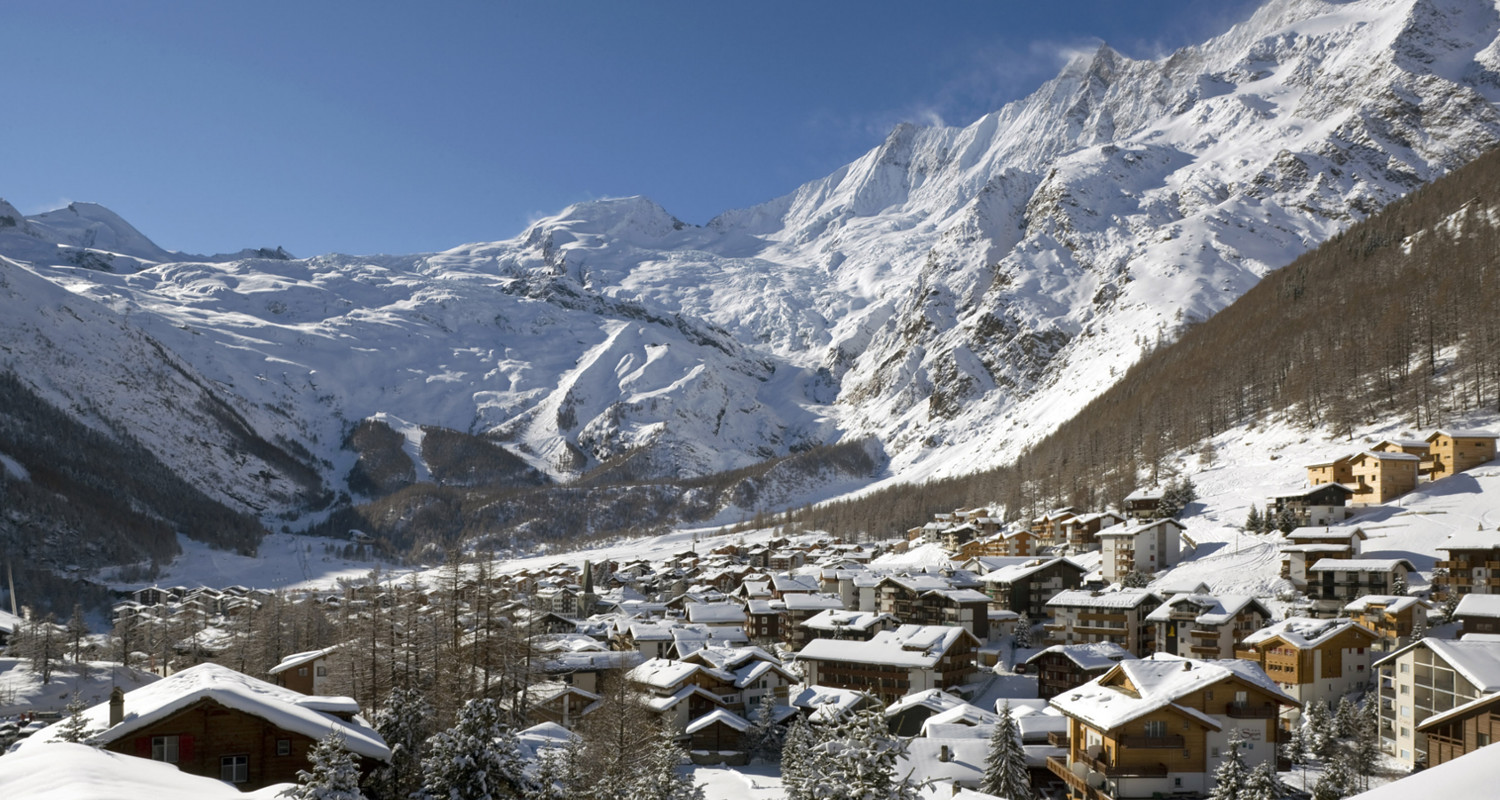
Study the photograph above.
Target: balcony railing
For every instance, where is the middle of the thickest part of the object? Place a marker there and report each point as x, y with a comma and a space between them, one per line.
1076, 783
1172, 742
1247, 711
1157, 770
1057, 738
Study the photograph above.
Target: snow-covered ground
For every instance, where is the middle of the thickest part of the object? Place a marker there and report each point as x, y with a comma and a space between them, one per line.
22, 690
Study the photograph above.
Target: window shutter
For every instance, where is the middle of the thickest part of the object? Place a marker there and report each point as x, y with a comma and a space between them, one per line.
143, 746
184, 749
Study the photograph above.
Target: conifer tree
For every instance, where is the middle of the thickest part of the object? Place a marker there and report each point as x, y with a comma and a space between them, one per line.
1345, 718
1318, 725
75, 728
554, 777
78, 630
1231, 773
476, 759
1365, 755
1338, 780
1023, 632
1005, 773
403, 723
334, 775
796, 759
1419, 624
660, 778
1287, 521
856, 760
1252, 521
1295, 751
763, 740
1263, 783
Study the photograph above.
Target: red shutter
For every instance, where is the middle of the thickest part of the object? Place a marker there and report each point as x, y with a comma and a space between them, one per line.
184, 749
143, 746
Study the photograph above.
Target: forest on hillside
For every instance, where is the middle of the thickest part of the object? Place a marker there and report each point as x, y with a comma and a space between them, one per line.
1397, 317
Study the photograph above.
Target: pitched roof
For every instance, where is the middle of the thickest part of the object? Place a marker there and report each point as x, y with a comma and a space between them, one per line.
1478, 660
1090, 656
1478, 605
284, 708
1125, 598
1306, 632
1160, 681
908, 645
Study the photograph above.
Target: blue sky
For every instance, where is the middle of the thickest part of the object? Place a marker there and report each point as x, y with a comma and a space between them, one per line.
390, 127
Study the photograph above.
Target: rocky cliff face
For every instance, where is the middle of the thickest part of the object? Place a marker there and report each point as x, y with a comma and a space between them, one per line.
954, 293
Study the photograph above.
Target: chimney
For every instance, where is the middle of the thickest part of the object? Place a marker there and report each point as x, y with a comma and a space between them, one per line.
943, 754
116, 707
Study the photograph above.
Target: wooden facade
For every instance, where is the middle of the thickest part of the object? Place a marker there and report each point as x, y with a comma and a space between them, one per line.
1462, 730
1452, 452
215, 741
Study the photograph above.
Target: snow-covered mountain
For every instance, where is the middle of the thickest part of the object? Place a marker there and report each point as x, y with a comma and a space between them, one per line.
955, 293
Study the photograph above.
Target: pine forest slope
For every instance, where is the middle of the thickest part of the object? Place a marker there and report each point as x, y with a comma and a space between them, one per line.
942, 303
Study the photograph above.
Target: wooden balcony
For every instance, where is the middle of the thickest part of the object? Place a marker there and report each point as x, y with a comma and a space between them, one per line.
1076, 784
1246, 711
1172, 742
1057, 738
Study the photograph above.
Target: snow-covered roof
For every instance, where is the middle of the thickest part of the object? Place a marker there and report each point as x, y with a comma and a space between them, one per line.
298, 659
1360, 565
908, 646
1463, 434
1312, 490
1027, 567
662, 673
837, 619
1382, 455
1478, 605
1125, 598
1390, 603
811, 602
1213, 609
1477, 660
63, 771
934, 700
1088, 656
715, 612
1137, 527
281, 707
1471, 540
1159, 682
1145, 494
722, 716
1305, 632
827, 703
1340, 533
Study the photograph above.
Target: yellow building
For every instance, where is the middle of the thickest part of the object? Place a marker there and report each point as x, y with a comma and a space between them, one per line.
1383, 477
1452, 452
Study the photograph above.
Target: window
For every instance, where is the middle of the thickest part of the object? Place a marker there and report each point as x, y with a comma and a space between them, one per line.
234, 769
164, 748
1482, 739
283, 747
322, 671
1155, 729
302, 672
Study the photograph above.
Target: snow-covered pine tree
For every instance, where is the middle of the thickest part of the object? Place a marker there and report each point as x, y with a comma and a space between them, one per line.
1318, 726
1252, 520
1345, 718
1450, 607
1365, 755
797, 758
763, 740
75, 728
1231, 774
403, 722
660, 777
334, 775
1419, 624
553, 777
1338, 780
1005, 773
1398, 586
1286, 520
476, 759
1294, 750
1264, 783
858, 762
1023, 631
